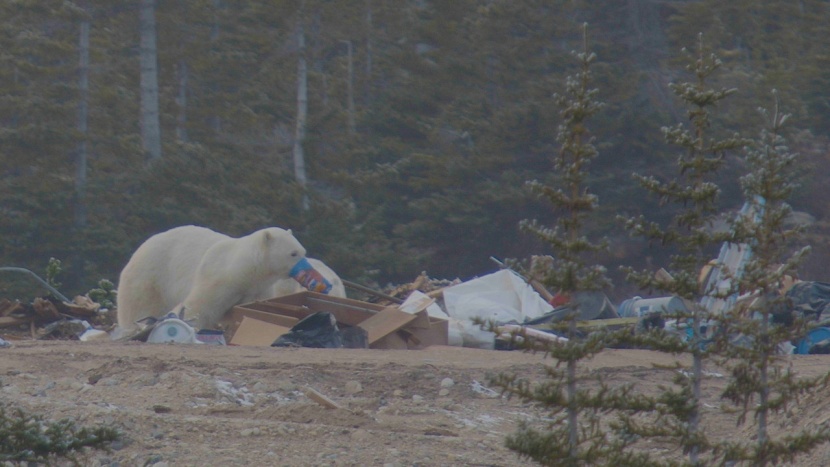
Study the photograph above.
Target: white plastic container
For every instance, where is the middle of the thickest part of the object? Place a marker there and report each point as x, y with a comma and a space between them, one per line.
173, 330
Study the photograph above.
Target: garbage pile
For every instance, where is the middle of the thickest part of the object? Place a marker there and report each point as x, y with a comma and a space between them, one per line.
416, 315
52, 318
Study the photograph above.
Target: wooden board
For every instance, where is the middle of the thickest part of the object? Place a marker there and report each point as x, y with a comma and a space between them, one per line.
321, 399
299, 305
607, 322
9, 321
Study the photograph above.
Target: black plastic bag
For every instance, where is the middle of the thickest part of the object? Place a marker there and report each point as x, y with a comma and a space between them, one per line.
355, 337
318, 330
809, 298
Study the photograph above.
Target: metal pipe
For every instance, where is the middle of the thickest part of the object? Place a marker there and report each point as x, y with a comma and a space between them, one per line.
37, 278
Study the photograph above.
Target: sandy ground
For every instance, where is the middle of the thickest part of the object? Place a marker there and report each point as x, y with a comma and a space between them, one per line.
197, 405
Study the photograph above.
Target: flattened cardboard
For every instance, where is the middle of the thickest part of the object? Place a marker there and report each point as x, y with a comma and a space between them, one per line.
436, 334
299, 305
257, 333
385, 322
381, 323
280, 320
393, 341
421, 320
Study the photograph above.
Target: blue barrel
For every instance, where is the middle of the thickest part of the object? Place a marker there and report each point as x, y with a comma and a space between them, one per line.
813, 337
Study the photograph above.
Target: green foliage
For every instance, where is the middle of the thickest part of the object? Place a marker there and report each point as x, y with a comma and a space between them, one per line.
53, 270
450, 95
105, 294
570, 197
695, 193
29, 438
762, 383
574, 434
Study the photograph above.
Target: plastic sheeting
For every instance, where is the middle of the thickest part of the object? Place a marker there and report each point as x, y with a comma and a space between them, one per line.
503, 297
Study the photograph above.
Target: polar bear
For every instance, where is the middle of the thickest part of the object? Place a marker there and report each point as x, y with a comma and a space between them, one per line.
204, 272
290, 286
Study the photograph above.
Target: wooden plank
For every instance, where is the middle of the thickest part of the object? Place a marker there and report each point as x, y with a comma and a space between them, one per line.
305, 298
385, 322
607, 322
9, 321
291, 312
342, 313
8, 307
506, 330
299, 305
541, 290
320, 398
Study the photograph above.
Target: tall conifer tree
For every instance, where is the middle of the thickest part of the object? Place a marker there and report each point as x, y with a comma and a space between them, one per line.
574, 436
753, 332
694, 192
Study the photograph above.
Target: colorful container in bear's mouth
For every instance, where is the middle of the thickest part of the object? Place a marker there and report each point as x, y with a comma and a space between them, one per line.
310, 278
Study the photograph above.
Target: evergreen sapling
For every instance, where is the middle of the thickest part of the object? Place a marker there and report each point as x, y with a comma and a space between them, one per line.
575, 432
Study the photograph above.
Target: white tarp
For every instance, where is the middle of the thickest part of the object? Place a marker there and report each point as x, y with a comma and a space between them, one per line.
502, 296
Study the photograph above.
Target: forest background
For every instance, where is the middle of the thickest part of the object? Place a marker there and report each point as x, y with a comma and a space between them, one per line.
392, 137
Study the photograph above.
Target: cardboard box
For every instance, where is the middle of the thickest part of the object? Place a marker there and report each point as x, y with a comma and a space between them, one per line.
258, 333
387, 327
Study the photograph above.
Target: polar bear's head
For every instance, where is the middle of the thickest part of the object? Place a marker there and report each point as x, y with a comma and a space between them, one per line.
281, 250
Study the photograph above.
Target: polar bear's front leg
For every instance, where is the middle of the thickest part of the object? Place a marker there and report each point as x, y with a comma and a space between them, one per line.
204, 309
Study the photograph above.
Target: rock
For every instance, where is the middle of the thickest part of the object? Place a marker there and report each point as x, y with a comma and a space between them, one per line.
259, 386
353, 387
444, 392
109, 381
417, 398
447, 383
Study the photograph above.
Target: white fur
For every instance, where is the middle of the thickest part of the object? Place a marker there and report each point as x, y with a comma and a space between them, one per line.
205, 271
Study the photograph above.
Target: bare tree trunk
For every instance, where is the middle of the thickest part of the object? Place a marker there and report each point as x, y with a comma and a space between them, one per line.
573, 409
764, 390
181, 102
150, 128
302, 113
697, 378
350, 89
76, 258
83, 115
368, 80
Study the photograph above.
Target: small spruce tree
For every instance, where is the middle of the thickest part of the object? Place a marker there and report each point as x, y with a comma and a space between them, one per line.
695, 194
761, 382
28, 438
575, 434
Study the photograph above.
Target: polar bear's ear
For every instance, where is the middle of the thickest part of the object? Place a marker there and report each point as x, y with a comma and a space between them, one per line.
290, 232
267, 237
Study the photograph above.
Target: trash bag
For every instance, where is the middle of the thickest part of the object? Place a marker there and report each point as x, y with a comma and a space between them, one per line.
810, 298
355, 337
318, 330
